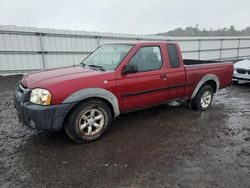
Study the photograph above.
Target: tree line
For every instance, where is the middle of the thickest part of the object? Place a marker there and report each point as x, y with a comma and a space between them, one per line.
195, 31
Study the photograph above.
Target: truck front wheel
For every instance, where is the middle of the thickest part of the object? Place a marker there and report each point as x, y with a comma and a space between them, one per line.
203, 98
88, 121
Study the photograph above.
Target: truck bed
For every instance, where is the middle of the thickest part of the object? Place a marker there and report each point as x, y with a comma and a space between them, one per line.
222, 69
198, 62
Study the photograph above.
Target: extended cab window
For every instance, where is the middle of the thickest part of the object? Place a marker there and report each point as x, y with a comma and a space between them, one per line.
173, 56
147, 58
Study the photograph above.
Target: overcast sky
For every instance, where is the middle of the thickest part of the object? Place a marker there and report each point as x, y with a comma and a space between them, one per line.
125, 16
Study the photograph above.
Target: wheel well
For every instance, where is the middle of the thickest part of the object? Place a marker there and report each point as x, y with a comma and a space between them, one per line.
97, 98
212, 83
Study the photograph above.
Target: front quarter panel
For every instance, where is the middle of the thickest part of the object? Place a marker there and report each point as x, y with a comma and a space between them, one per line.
94, 92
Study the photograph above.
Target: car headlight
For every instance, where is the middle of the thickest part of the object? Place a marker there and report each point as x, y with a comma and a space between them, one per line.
40, 96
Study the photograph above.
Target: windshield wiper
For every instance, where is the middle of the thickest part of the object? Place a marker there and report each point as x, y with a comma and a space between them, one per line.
93, 66
82, 64
96, 66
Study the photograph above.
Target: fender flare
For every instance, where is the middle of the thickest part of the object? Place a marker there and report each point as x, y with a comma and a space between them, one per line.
94, 92
204, 80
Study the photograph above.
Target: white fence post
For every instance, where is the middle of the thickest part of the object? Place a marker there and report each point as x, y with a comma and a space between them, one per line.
238, 50
42, 51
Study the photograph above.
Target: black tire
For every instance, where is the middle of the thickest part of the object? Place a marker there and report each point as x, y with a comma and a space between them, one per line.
72, 124
197, 101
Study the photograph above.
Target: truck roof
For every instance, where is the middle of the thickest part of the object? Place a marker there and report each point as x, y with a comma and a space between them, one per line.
144, 42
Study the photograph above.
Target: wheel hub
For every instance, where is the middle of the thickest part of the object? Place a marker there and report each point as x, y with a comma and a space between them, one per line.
91, 122
206, 99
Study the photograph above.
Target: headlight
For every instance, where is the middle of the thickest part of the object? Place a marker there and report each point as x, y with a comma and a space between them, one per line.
40, 96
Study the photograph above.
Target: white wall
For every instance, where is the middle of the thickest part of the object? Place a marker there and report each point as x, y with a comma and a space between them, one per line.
25, 49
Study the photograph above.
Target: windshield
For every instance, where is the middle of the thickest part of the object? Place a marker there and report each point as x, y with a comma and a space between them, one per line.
107, 57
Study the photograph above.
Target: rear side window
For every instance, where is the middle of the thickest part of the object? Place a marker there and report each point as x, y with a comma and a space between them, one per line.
173, 56
147, 58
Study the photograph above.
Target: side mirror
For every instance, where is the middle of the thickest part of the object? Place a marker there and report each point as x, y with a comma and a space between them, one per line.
130, 68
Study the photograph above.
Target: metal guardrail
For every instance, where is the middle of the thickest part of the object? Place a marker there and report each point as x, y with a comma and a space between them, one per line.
123, 37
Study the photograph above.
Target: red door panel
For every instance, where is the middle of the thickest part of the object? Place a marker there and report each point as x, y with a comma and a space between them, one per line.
142, 89
147, 87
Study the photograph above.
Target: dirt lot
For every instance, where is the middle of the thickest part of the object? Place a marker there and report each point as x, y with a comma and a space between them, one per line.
165, 146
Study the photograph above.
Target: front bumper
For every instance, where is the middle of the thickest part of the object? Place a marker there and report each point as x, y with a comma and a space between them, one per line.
49, 118
241, 79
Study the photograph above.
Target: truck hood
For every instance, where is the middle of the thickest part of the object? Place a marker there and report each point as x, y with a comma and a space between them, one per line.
51, 77
245, 64
63, 82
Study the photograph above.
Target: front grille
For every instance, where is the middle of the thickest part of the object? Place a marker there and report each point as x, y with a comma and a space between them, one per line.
21, 87
241, 71
21, 90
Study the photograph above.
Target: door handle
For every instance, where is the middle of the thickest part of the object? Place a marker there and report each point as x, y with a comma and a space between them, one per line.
163, 76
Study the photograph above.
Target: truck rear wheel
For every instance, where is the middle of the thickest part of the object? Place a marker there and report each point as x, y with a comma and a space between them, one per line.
203, 98
88, 121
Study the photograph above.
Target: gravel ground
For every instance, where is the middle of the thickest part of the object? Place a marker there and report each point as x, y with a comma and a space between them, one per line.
164, 146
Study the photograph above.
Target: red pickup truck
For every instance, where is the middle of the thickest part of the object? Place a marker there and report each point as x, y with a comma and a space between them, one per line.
114, 79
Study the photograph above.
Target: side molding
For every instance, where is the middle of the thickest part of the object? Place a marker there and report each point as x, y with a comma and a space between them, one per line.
95, 92
205, 79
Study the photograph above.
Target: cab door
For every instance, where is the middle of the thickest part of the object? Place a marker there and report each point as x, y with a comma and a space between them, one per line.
147, 86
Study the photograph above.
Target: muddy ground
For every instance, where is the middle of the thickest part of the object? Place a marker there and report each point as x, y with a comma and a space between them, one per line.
165, 146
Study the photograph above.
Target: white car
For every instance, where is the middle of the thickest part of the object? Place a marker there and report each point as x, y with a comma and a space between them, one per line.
242, 71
